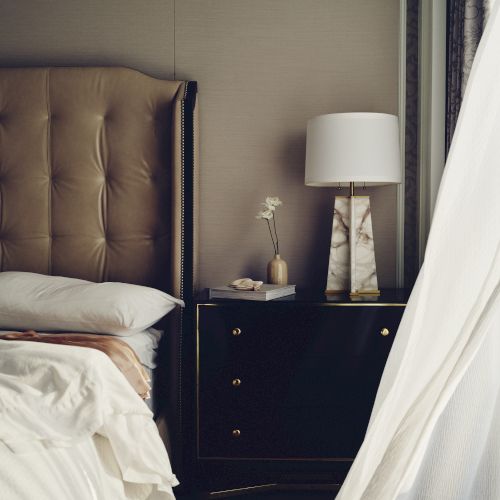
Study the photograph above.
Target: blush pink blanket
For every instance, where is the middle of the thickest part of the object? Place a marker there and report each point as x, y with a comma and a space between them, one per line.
122, 355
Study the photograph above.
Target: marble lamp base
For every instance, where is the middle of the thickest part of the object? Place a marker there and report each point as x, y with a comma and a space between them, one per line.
352, 255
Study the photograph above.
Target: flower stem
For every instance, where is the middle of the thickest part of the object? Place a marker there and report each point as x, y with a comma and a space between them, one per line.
276, 234
271, 233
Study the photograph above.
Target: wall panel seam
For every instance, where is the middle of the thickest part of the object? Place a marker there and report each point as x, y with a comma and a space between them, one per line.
49, 171
400, 224
175, 74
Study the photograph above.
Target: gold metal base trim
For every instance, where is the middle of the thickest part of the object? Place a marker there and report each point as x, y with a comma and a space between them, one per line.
363, 293
336, 292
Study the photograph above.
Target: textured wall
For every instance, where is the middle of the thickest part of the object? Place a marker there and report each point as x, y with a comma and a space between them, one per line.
264, 68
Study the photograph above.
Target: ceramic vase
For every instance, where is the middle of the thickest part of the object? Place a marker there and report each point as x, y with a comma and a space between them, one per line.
277, 271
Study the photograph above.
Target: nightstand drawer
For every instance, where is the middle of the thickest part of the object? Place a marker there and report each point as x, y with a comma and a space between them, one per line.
229, 333
252, 334
293, 381
280, 433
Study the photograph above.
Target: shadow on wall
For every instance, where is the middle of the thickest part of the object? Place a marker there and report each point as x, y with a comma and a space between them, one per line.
294, 158
312, 231
253, 267
317, 252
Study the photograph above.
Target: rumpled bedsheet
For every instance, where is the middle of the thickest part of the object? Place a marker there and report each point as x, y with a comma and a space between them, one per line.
57, 396
122, 355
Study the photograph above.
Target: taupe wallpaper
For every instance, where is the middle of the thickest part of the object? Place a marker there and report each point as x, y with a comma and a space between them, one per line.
264, 68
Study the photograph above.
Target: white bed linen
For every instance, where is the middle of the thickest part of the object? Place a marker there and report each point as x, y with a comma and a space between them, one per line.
71, 427
151, 399
144, 345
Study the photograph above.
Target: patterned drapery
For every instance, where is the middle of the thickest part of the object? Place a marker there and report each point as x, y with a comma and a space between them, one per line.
411, 145
466, 21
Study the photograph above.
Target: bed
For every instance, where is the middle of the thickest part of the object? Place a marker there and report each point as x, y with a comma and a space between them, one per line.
98, 181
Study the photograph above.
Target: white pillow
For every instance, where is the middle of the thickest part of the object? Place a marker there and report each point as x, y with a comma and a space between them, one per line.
54, 303
144, 345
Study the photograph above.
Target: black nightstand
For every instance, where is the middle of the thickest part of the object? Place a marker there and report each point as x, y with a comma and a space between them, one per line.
284, 389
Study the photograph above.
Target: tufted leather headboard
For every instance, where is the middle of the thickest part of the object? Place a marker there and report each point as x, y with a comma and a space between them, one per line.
92, 163
98, 181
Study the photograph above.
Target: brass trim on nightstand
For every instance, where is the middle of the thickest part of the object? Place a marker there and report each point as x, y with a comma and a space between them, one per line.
244, 488
318, 304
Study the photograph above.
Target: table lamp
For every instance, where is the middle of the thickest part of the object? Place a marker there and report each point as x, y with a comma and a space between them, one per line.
352, 149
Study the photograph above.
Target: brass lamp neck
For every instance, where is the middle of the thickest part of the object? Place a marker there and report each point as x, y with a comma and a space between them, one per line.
351, 188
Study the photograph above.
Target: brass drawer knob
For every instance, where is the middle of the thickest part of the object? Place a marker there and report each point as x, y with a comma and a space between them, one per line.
236, 382
236, 331
236, 433
384, 332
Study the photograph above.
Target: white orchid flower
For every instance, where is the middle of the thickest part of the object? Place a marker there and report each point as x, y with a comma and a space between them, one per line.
265, 214
269, 213
273, 201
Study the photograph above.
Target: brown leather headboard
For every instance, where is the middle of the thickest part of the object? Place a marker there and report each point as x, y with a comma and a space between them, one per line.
98, 180
92, 163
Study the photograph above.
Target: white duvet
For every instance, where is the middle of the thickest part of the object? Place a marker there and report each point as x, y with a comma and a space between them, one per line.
72, 428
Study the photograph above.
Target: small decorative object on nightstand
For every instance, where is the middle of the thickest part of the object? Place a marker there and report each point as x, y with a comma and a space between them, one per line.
277, 271
277, 268
349, 148
263, 292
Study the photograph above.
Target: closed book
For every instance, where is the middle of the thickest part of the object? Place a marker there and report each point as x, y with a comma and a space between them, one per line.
266, 292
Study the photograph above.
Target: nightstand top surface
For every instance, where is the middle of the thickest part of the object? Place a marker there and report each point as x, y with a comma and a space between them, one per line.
387, 296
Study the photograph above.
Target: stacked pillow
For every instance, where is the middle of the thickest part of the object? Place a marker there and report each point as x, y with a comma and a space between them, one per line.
54, 303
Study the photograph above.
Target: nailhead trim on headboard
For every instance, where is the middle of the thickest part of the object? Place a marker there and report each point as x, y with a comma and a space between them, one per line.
187, 234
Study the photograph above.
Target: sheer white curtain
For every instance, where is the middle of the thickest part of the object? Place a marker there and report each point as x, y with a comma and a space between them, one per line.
434, 433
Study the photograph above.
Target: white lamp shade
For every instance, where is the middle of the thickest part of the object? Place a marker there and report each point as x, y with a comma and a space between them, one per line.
353, 147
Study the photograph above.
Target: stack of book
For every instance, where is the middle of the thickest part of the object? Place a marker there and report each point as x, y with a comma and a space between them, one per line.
266, 292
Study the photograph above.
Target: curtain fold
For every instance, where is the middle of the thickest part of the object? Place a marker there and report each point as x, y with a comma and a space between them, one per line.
434, 432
